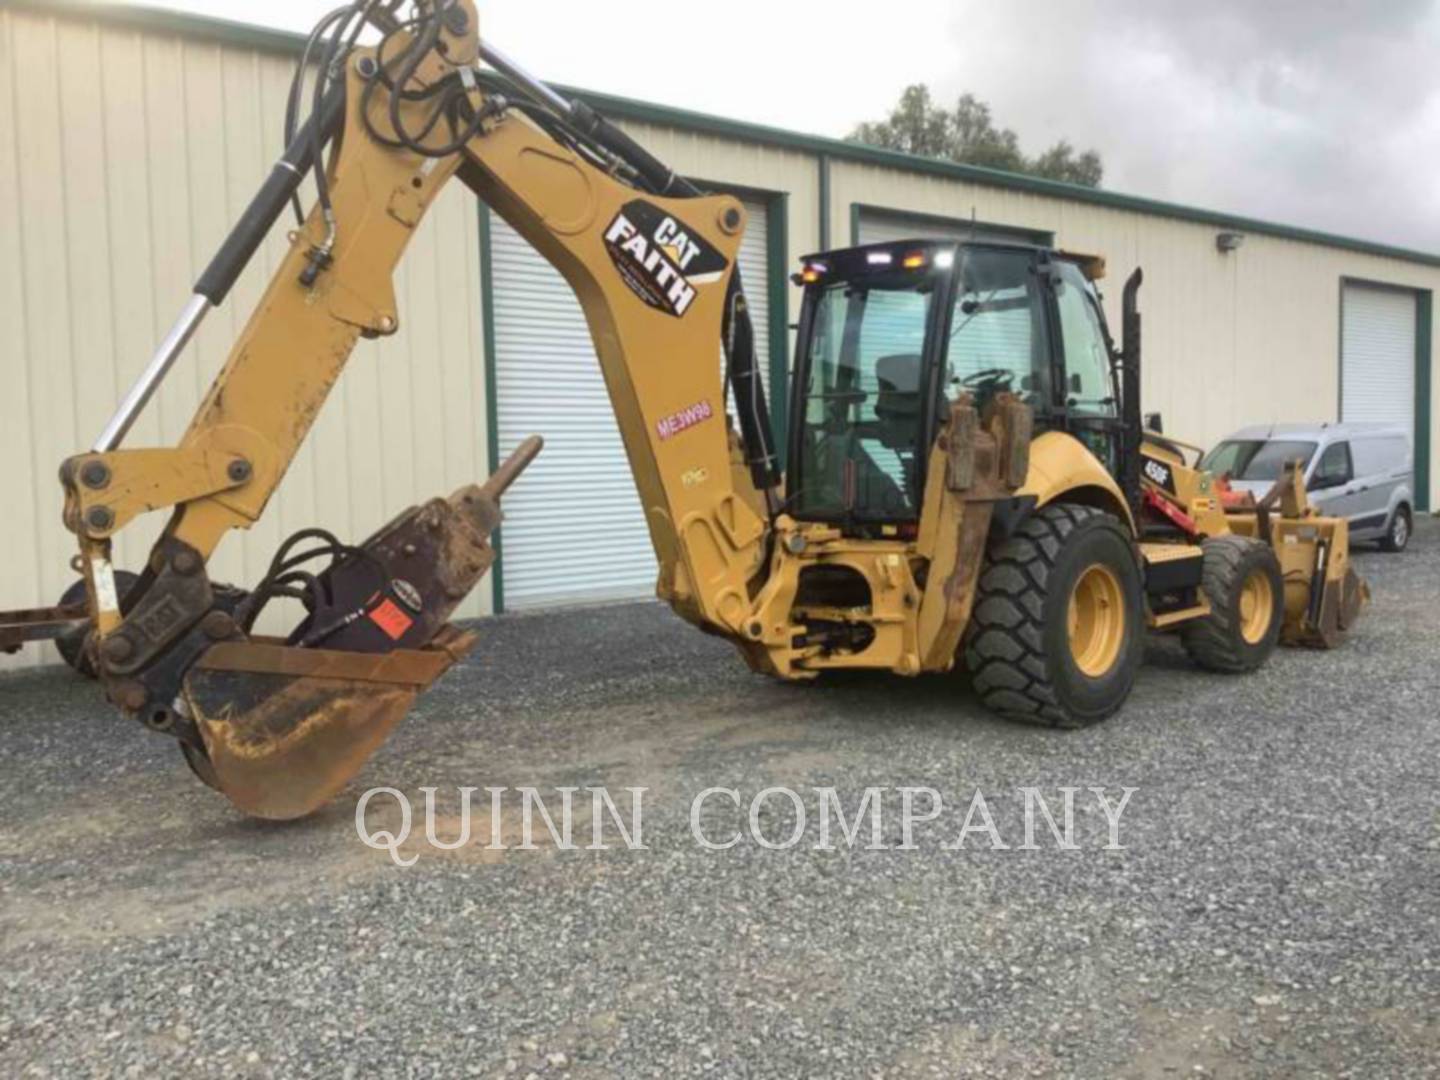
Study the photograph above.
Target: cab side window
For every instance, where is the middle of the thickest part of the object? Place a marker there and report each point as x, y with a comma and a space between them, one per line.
1089, 388
1333, 468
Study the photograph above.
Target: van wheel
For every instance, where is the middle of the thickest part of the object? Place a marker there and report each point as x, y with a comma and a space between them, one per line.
1057, 632
1397, 535
1242, 581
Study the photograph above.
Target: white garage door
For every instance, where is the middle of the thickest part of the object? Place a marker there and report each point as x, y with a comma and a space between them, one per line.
878, 228
1377, 350
574, 531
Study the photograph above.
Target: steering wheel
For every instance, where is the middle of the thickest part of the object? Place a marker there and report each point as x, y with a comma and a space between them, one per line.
995, 378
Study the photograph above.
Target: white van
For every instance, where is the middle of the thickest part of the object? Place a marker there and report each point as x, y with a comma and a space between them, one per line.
1363, 472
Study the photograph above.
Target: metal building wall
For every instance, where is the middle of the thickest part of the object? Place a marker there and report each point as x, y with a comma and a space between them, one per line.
129, 140
125, 154
1245, 337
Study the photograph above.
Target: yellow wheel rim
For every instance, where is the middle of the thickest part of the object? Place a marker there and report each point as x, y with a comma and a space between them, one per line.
1096, 620
1257, 605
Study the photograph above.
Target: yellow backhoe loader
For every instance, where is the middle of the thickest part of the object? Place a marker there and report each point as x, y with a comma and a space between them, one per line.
968, 480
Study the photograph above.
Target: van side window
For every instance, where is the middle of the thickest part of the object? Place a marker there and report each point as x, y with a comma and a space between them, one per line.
1333, 469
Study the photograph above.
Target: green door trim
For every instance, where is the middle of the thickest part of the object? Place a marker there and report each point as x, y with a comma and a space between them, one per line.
1424, 323
492, 401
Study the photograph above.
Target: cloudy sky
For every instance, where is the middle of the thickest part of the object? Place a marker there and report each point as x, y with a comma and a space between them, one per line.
1324, 113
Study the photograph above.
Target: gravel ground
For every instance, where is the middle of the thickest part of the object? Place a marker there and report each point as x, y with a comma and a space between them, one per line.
1273, 912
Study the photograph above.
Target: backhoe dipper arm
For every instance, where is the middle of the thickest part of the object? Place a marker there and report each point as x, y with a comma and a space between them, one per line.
656, 277
651, 274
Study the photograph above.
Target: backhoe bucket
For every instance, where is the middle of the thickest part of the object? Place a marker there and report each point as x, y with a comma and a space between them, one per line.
285, 727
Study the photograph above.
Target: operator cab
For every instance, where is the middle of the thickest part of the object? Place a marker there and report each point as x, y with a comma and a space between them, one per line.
891, 333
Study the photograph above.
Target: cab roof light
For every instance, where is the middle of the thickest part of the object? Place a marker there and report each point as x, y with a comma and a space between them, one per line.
944, 260
813, 272
913, 261
878, 258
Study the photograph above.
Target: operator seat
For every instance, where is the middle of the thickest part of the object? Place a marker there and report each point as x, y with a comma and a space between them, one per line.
898, 414
897, 405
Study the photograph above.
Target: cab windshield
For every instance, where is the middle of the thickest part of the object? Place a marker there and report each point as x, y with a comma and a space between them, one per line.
997, 331
864, 397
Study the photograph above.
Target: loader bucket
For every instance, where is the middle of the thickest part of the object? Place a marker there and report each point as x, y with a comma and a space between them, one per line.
286, 729
1324, 596
1328, 612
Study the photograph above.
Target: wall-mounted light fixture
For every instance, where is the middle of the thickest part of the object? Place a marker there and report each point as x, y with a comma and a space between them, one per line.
1228, 241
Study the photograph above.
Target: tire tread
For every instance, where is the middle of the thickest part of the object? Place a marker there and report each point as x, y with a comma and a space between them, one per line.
1004, 642
1211, 641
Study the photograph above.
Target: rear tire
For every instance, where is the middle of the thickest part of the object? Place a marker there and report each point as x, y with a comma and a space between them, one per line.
1246, 590
1057, 632
1397, 533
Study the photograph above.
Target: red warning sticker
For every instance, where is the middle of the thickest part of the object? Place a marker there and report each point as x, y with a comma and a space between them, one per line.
388, 616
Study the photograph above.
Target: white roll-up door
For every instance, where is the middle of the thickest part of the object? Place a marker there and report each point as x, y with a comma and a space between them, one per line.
879, 227
1377, 356
574, 531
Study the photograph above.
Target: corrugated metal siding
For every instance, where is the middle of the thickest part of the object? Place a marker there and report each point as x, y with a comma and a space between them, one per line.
1245, 337
124, 157
878, 228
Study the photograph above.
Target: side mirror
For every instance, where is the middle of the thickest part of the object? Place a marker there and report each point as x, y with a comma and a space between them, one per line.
1155, 422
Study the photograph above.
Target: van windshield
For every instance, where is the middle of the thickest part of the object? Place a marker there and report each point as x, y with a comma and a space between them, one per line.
1256, 459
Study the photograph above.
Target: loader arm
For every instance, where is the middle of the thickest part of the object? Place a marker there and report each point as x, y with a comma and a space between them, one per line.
280, 725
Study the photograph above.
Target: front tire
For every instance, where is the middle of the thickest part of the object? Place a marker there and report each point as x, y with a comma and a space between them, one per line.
1246, 590
1057, 632
1397, 533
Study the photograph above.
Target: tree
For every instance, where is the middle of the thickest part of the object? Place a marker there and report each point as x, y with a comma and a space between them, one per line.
968, 134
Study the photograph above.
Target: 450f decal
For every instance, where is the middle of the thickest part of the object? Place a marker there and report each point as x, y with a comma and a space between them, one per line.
1159, 473
661, 258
